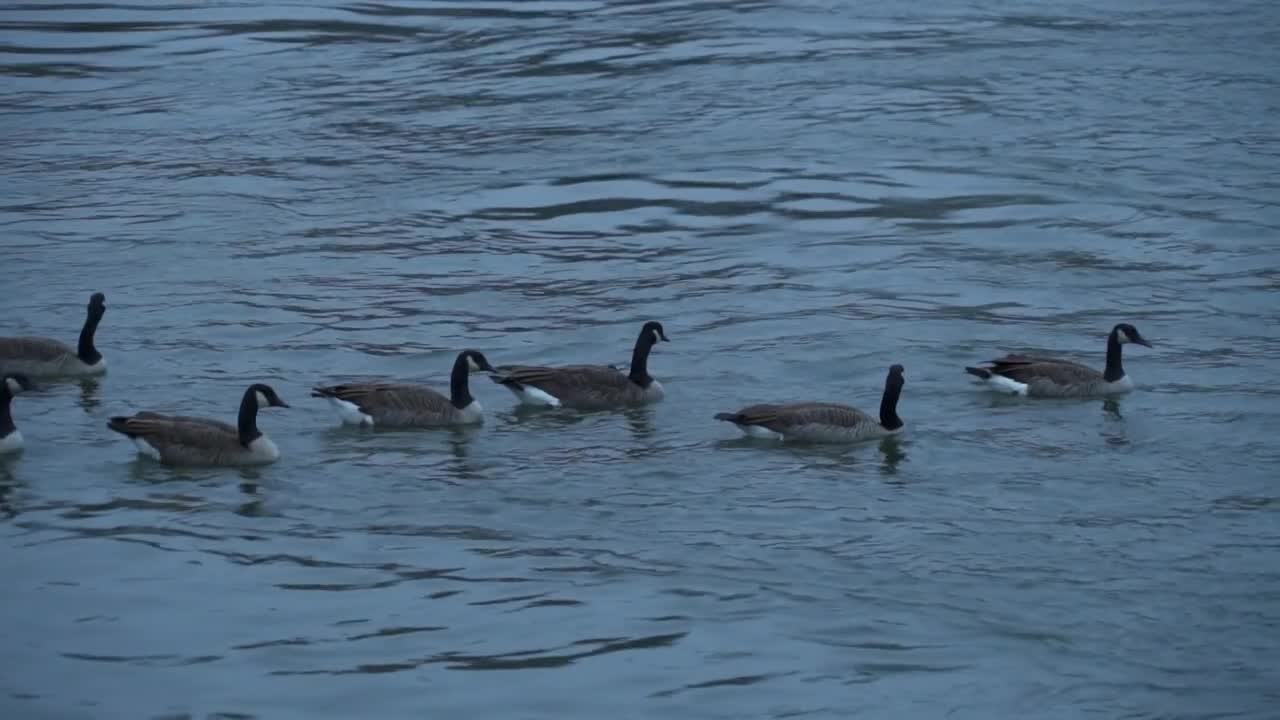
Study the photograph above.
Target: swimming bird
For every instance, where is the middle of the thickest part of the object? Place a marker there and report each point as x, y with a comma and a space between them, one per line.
822, 422
1040, 376
46, 357
10, 438
407, 405
185, 440
589, 387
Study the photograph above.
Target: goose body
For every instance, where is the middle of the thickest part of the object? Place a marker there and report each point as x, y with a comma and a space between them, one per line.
186, 440
589, 387
47, 357
1042, 376
10, 437
822, 422
408, 405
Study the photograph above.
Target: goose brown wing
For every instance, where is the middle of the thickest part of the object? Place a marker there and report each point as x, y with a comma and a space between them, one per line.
177, 430
780, 417
33, 348
388, 397
1028, 368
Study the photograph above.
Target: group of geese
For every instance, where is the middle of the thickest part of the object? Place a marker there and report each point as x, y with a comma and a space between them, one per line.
185, 440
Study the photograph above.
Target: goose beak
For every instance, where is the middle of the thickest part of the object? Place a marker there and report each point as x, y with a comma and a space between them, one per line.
1143, 342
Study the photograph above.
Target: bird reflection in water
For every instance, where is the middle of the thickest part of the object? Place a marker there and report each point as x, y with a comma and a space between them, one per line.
89, 400
892, 453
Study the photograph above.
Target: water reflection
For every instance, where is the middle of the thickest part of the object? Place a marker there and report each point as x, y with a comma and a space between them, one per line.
892, 453
1111, 407
640, 422
89, 399
461, 466
8, 483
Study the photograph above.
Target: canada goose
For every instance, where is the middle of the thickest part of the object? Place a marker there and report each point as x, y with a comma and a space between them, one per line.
1039, 376
10, 438
405, 405
589, 387
46, 357
822, 422
184, 440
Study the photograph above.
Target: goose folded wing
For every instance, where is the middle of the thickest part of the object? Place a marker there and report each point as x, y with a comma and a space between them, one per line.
33, 348
567, 377
781, 417
1027, 368
180, 431
390, 397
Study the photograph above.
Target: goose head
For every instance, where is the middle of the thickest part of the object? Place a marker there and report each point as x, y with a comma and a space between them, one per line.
476, 361
265, 396
1126, 333
653, 330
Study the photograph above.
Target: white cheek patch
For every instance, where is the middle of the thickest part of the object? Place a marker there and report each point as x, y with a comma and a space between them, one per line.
14, 386
262, 399
471, 363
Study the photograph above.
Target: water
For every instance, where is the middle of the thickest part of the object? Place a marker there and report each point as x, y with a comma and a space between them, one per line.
803, 193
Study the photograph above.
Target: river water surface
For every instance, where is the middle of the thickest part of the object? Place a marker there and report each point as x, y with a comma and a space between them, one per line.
804, 192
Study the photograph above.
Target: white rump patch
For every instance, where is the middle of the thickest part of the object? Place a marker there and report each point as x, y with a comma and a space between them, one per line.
14, 386
530, 395
11, 442
1000, 383
146, 448
350, 413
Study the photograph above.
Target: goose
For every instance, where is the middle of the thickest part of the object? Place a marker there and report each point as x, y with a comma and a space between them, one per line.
46, 357
1040, 376
10, 438
589, 387
184, 440
406, 405
822, 422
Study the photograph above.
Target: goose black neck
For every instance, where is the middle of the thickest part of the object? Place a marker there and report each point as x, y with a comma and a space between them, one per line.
6, 420
87, 353
640, 359
459, 387
889, 404
1115, 368
248, 420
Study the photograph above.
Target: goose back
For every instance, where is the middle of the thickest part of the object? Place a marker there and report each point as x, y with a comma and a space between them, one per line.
583, 387
395, 405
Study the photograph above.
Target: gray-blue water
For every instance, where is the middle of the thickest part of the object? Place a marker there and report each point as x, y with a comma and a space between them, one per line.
803, 192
